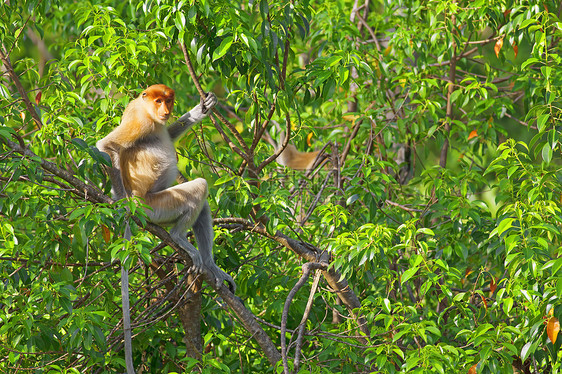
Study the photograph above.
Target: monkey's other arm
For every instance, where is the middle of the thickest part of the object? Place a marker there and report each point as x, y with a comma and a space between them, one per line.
113, 149
195, 115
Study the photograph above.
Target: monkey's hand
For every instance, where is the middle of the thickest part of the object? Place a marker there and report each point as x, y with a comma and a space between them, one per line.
192, 117
202, 110
220, 276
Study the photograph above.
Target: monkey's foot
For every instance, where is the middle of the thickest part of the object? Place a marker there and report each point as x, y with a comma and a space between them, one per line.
220, 276
197, 262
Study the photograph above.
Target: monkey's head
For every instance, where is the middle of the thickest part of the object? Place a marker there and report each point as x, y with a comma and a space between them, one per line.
159, 100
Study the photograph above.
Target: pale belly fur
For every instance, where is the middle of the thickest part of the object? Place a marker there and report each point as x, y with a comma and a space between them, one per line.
150, 166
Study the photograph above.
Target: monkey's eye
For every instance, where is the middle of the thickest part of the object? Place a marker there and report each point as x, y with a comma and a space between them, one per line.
158, 101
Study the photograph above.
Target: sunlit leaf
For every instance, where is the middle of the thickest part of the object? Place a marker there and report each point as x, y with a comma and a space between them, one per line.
498, 47
223, 48
552, 328
408, 274
525, 351
546, 153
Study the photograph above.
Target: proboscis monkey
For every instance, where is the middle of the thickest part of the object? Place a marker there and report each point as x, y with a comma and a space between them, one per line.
144, 164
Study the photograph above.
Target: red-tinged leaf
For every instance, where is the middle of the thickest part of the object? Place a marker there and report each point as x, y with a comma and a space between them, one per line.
484, 301
506, 13
552, 329
515, 49
468, 270
106, 233
38, 97
473, 134
493, 285
498, 47
472, 369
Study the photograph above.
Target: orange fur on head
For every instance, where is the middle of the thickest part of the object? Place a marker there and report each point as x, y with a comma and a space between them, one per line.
151, 109
159, 101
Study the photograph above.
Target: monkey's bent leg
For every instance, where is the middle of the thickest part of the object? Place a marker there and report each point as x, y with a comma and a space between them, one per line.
203, 230
179, 206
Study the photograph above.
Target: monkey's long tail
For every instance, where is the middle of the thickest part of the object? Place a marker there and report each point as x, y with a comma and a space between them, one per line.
127, 335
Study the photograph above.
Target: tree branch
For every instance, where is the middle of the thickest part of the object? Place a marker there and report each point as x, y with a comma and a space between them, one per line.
5, 57
311, 253
306, 268
302, 325
245, 152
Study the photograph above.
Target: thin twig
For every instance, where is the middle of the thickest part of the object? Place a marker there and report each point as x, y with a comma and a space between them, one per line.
5, 57
305, 315
306, 268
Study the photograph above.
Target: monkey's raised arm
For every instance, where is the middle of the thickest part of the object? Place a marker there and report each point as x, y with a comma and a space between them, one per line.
192, 117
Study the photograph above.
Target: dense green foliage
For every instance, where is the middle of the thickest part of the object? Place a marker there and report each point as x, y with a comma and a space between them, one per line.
443, 210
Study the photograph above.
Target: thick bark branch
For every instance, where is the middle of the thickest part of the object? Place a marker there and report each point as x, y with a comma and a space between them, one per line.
311, 253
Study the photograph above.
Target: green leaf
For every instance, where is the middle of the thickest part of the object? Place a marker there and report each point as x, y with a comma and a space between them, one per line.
525, 351
264, 8
525, 24
224, 179
546, 153
557, 265
504, 225
541, 121
386, 305
408, 274
530, 61
425, 230
223, 48
333, 61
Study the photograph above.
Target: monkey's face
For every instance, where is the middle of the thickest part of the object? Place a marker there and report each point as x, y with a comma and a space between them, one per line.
160, 102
